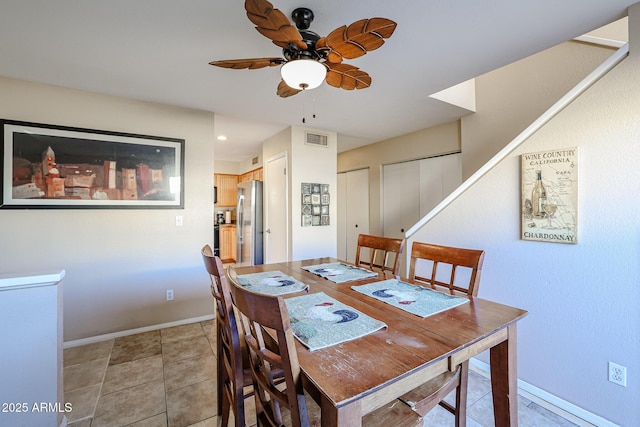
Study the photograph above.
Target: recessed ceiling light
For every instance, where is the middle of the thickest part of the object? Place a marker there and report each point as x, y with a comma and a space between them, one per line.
222, 138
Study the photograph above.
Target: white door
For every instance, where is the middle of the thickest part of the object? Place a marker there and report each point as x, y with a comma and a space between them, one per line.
341, 210
430, 184
439, 176
276, 213
451, 173
357, 209
401, 198
412, 189
353, 211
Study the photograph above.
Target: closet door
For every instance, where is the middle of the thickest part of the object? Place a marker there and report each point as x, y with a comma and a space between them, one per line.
353, 211
439, 176
276, 215
412, 189
401, 197
451, 173
357, 209
341, 220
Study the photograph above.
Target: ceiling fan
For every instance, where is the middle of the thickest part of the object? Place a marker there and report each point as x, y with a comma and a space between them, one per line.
309, 59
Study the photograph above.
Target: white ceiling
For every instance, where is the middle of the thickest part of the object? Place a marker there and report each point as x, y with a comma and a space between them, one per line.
159, 50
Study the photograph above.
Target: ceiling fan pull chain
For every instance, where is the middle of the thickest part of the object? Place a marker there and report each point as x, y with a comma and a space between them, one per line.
304, 98
313, 106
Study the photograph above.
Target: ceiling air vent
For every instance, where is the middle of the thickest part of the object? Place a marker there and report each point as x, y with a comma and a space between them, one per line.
254, 160
316, 139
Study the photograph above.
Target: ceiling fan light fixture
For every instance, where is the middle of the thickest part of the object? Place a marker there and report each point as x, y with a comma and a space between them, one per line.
303, 74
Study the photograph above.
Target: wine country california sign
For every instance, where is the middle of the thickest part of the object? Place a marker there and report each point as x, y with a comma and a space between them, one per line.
550, 196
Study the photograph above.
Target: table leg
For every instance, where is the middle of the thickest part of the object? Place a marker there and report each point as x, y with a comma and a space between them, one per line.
504, 380
349, 415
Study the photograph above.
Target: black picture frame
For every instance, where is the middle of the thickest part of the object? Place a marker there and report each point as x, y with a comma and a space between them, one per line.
61, 167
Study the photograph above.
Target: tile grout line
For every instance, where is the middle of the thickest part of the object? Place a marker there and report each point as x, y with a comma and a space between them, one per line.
164, 383
104, 376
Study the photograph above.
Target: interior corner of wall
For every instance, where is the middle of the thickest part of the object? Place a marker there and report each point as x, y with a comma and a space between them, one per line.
634, 27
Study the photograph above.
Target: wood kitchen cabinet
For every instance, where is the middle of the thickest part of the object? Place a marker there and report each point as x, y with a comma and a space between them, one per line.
245, 177
228, 243
228, 185
227, 189
255, 174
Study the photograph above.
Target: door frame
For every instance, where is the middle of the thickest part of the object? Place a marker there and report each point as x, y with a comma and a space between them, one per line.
348, 220
270, 159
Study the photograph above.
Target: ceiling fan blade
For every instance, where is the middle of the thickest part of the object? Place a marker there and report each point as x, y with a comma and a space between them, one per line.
250, 63
273, 24
357, 39
285, 91
345, 76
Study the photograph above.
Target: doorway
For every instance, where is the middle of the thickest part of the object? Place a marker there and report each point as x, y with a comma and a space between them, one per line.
276, 195
353, 211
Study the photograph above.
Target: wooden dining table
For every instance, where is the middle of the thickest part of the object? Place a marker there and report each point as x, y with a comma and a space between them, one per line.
353, 378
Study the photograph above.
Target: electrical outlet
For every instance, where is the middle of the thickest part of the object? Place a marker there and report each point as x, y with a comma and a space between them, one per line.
617, 374
179, 221
169, 294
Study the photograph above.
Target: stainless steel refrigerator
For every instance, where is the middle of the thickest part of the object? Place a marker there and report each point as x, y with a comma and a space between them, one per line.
249, 239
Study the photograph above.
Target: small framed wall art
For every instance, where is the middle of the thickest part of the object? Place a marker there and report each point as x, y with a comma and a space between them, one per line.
315, 204
549, 197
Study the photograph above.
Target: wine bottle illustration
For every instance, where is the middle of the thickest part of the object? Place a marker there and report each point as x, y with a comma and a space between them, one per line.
538, 197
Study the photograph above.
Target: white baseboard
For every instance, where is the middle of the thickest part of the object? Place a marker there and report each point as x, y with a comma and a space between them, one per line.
105, 337
553, 403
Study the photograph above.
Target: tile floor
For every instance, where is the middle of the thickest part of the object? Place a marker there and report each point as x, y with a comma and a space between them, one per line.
166, 378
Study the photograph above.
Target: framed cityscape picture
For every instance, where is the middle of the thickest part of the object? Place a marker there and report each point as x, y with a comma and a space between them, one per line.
47, 166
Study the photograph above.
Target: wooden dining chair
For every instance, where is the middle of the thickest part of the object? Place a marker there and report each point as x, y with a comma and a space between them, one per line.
425, 397
380, 250
233, 372
449, 258
275, 405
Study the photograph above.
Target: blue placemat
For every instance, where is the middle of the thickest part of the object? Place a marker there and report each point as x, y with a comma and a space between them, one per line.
414, 299
338, 272
319, 321
271, 283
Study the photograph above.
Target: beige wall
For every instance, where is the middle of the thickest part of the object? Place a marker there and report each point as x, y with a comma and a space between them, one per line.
226, 167
507, 101
118, 262
443, 139
306, 163
278, 143
246, 165
511, 98
312, 164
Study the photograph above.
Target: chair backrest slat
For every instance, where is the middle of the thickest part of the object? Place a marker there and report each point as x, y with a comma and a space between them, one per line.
453, 258
380, 250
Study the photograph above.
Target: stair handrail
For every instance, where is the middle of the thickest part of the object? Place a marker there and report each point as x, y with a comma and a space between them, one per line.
567, 99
